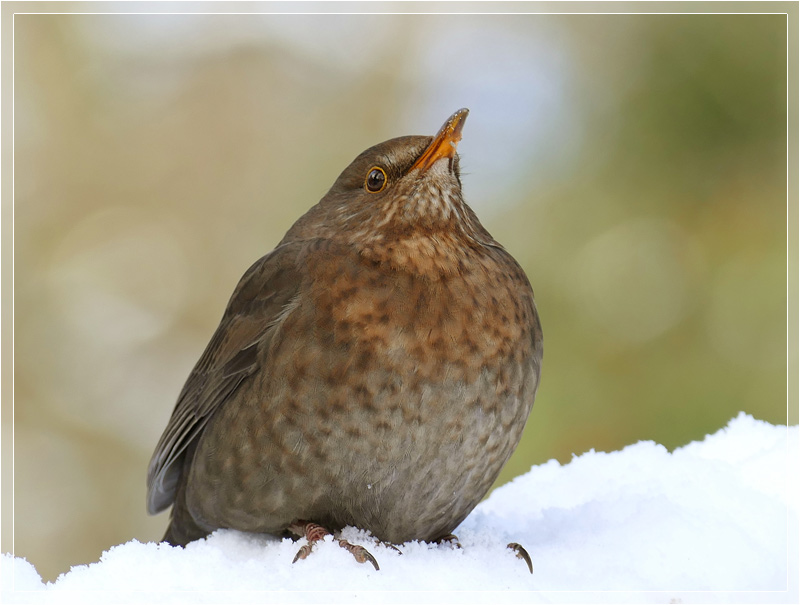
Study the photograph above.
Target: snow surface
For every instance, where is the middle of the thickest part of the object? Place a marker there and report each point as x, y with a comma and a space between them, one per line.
714, 521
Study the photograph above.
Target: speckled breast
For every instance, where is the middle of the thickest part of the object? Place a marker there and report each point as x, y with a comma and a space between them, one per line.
395, 415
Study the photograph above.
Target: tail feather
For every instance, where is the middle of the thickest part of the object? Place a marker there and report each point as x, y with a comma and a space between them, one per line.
182, 527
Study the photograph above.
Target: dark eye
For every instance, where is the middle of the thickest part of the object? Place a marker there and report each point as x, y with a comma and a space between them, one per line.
376, 180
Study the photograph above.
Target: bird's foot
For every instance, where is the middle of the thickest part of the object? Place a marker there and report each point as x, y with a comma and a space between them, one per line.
361, 554
519, 550
387, 545
522, 554
314, 532
451, 540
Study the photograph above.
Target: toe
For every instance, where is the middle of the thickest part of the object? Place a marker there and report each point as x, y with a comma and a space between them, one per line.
304, 551
361, 554
522, 554
451, 540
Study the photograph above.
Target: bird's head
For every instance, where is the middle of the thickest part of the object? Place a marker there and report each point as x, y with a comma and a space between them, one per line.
410, 182
400, 203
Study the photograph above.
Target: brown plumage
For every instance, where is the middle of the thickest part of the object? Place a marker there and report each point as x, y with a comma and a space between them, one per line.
376, 369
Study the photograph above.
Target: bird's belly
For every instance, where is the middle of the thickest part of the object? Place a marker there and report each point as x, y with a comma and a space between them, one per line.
406, 458
419, 479
397, 425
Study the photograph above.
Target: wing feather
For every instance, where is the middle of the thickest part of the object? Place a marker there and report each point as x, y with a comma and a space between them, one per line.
258, 304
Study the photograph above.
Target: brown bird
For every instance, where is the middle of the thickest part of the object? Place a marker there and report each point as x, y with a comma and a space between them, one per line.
375, 370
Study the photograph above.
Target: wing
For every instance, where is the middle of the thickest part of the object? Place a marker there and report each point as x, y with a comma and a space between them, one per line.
259, 302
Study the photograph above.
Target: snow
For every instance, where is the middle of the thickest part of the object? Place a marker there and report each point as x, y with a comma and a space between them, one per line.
714, 521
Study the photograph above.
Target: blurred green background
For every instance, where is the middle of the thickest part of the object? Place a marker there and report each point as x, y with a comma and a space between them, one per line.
635, 165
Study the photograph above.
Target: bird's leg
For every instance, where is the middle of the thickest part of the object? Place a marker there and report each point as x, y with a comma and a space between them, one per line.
451, 540
314, 532
522, 554
311, 532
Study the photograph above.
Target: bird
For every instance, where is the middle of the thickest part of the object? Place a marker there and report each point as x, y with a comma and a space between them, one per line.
376, 369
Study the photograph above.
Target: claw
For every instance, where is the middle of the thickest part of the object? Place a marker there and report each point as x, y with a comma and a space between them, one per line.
361, 554
522, 554
304, 551
379, 542
450, 539
314, 533
388, 545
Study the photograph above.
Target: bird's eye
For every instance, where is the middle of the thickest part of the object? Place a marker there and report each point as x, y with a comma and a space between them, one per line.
376, 180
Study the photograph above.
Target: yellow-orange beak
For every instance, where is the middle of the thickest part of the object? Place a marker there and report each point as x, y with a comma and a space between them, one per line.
444, 143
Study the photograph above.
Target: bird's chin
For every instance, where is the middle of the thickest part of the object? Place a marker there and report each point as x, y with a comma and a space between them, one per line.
440, 169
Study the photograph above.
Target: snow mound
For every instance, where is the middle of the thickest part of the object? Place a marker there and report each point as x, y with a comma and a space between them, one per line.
714, 521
